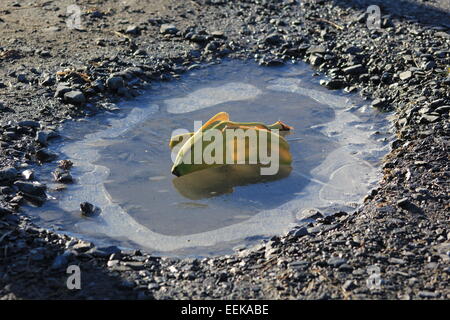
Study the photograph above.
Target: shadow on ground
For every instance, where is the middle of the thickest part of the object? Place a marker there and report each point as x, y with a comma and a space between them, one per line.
27, 257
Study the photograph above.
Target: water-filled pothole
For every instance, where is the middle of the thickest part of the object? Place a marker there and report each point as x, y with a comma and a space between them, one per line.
122, 162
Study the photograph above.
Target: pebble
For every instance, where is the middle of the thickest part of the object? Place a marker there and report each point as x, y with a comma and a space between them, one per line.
28, 174
300, 232
45, 155
82, 246
115, 83
309, 213
87, 209
428, 294
65, 164
336, 262
333, 84
61, 89
43, 136
354, 70
29, 124
134, 30
62, 176
8, 174
349, 285
32, 188
74, 97
274, 39
168, 29
405, 75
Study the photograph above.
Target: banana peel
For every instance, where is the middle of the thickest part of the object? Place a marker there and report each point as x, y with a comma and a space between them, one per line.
187, 144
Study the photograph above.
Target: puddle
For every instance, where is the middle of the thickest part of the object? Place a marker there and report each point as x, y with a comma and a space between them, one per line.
122, 163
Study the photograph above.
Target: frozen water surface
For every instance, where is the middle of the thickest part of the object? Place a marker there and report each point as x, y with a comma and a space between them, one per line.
122, 162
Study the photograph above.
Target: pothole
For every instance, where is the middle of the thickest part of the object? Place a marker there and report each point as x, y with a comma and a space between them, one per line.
122, 163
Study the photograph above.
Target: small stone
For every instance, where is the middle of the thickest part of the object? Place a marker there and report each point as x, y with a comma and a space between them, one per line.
345, 268
42, 137
96, 14
299, 264
135, 265
317, 49
28, 174
353, 50
315, 60
218, 34
349, 285
378, 103
273, 39
29, 124
405, 75
65, 164
354, 70
98, 85
402, 203
212, 46
442, 109
114, 83
88, 209
429, 65
31, 188
22, 78
113, 263
314, 230
153, 286
428, 294
74, 97
110, 251
82, 246
134, 30
396, 261
436, 103
62, 176
271, 62
336, 262
333, 84
300, 232
426, 118
45, 54
44, 155
168, 29
52, 29
140, 52
309, 213
405, 204
61, 89
8, 174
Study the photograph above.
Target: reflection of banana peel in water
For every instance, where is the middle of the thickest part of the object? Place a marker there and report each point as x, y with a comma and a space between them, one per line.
240, 149
221, 180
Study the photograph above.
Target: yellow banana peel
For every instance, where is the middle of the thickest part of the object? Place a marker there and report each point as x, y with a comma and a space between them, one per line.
229, 142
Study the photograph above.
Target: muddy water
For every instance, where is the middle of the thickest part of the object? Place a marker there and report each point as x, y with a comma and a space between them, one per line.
122, 162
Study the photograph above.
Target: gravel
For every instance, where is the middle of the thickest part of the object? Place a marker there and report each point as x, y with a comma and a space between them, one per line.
394, 246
